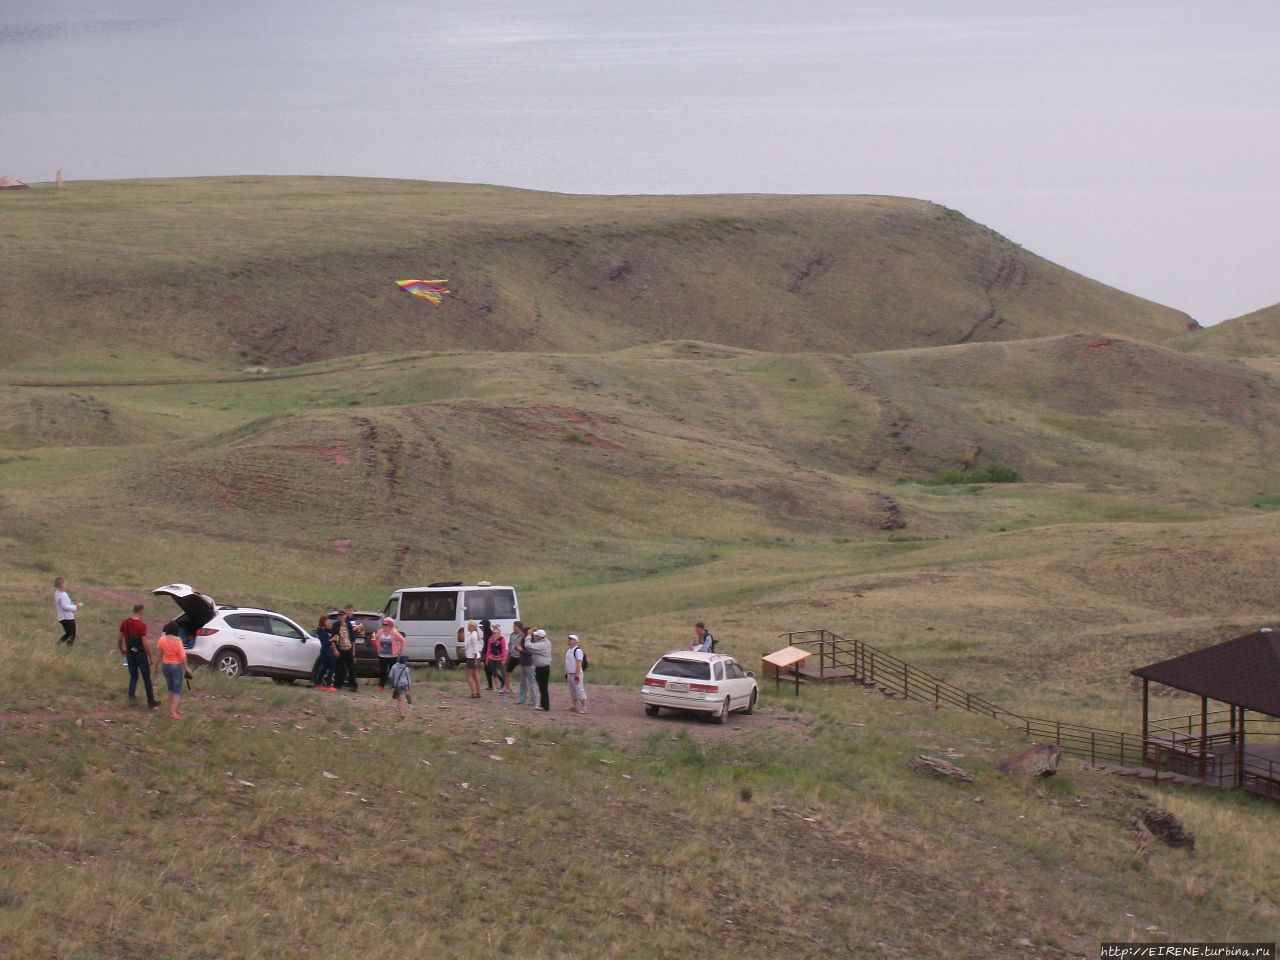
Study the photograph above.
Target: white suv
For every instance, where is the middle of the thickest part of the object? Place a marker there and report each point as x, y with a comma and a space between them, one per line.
242, 640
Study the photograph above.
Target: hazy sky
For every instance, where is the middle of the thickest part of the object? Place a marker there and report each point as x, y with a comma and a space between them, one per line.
1135, 141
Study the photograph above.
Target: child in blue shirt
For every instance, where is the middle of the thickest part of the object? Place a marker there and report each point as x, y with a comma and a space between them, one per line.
400, 679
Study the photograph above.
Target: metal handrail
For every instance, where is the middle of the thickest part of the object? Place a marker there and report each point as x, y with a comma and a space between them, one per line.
842, 657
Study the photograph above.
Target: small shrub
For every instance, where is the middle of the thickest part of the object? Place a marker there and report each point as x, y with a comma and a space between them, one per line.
990, 473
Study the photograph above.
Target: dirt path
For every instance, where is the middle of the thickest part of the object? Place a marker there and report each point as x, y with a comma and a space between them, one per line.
613, 711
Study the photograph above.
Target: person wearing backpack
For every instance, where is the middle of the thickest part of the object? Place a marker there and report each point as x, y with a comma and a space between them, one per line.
702, 638
575, 665
495, 659
400, 680
137, 653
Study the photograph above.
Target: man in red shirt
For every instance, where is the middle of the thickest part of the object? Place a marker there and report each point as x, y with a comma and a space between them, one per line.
137, 653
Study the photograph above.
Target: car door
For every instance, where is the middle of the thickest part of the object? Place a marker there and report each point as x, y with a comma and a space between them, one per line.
739, 683
251, 635
293, 650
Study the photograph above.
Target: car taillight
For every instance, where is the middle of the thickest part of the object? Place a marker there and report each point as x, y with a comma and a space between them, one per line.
704, 688
654, 682
206, 631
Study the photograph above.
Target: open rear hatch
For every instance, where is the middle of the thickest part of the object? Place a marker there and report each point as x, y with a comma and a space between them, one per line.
197, 609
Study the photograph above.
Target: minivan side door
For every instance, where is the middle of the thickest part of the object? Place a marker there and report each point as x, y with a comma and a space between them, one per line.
428, 618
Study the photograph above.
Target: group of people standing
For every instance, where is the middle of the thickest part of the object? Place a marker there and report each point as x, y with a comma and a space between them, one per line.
485, 647
337, 633
527, 651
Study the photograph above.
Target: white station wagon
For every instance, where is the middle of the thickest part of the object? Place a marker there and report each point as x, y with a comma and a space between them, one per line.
711, 683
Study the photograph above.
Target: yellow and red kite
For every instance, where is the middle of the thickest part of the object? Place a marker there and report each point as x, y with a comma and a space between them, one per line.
431, 290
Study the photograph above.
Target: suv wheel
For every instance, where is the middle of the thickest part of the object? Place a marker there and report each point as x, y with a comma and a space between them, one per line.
442, 660
229, 663
751, 704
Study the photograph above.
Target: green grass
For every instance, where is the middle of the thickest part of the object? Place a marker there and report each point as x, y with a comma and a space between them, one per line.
722, 448
222, 836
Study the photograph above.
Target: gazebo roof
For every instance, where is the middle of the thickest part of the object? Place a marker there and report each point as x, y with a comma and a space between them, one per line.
1244, 672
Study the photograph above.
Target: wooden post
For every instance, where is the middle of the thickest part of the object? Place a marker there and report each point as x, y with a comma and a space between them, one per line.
1204, 729
1145, 686
1240, 752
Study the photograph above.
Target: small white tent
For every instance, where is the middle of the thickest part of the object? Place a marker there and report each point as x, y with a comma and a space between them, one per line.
8, 183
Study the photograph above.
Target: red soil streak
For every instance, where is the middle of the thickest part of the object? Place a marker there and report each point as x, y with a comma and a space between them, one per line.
227, 502
341, 546
1097, 345
568, 413
601, 442
341, 456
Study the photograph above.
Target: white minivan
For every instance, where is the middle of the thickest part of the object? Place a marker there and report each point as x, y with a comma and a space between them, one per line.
430, 617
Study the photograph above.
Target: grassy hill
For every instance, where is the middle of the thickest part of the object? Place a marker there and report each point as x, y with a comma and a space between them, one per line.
287, 270
1255, 334
642, 412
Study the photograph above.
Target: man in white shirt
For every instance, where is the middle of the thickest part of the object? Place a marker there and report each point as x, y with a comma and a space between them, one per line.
573, 658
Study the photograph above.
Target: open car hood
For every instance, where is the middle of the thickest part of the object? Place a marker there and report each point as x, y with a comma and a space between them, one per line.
197, 609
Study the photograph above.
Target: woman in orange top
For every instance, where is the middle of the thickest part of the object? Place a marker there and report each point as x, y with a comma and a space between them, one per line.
173, 661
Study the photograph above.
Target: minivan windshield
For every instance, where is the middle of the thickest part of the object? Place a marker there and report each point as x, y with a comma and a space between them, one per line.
684, 669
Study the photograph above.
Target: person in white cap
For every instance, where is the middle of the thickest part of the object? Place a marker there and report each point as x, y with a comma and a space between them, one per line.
539, 647
573, 664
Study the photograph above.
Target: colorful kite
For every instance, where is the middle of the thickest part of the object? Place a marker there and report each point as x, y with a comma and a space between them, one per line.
431, 290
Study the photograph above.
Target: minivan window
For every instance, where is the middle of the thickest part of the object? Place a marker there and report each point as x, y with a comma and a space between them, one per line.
491, 605
390, 609
684, 669
429, 606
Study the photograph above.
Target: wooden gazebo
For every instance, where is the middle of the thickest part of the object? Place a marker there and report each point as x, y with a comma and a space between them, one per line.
1226, 747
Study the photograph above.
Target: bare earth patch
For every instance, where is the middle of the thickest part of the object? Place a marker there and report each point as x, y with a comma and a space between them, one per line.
613, 711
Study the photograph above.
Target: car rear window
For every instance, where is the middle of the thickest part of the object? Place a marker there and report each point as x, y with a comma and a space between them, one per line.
685, 669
